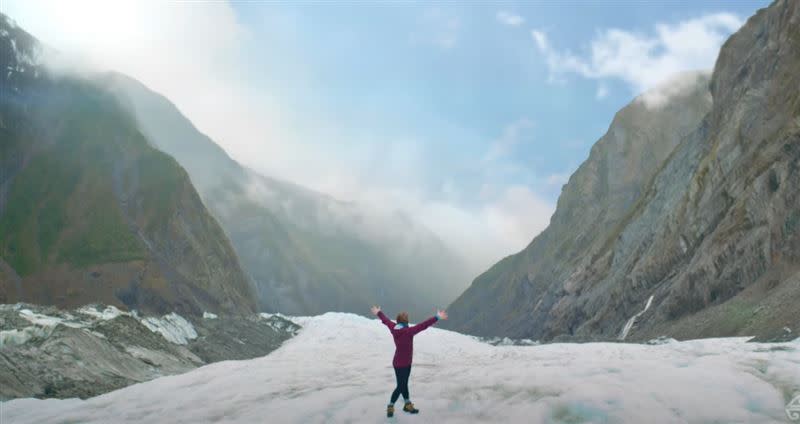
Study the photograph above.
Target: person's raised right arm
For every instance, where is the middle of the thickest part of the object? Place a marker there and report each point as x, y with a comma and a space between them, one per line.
386, 321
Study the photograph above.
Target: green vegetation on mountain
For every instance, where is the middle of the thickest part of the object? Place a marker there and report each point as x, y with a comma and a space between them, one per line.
90, 211
64, 186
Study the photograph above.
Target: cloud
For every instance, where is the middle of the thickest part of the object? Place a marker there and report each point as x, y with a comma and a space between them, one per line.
519, 215
505, 224
199, 55
512, 135
540, 38
190, 52
557, 180
643, 60
502, 219
602, 91
510, 19
674, 85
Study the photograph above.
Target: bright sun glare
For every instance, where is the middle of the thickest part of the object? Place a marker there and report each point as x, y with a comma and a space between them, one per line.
99, 23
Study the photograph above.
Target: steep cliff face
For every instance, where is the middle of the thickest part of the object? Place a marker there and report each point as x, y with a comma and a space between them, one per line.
593, 204
307, 252
700, 212
89, 211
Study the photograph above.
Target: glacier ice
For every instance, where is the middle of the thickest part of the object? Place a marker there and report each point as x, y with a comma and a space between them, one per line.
338, 369
108, 313
21, 336
173, 327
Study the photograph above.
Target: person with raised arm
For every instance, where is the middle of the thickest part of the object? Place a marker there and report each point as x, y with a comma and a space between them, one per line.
403, 335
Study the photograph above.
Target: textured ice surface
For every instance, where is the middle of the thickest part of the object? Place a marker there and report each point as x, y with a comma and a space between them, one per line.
108, 313
173, 327
21, 336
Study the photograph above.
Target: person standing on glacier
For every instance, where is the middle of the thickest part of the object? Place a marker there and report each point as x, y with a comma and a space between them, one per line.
403, 335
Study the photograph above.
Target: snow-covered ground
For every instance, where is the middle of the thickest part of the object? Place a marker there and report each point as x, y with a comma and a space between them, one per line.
338, 369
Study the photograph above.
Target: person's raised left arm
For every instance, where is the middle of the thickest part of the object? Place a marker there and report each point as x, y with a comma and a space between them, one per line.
428, 322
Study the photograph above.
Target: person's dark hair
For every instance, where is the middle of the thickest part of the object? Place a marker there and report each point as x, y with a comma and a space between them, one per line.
402, 317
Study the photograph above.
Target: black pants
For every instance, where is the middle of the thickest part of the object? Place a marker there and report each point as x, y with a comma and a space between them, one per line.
402, 383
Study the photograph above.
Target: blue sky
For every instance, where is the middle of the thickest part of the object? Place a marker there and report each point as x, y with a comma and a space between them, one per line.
468, 116
454, 78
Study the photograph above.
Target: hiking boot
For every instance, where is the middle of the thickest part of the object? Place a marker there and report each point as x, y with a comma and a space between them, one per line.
390, 411
409, 407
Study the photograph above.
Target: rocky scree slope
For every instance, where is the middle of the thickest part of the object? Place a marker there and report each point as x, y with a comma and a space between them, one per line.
50, 353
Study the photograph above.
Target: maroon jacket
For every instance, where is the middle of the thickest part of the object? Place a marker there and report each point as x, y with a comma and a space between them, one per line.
404, 339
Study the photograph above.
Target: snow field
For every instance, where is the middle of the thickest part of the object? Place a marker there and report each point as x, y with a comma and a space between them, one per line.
338, 369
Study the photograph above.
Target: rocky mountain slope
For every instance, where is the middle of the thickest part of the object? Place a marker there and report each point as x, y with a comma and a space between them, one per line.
689, 208
89, 211
307, 253
50, 353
